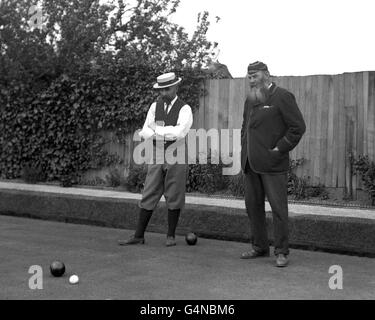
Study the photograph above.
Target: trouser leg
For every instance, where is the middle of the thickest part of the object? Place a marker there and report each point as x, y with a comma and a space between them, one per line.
254, 201
152, 192
276, 190
154, 187
175, 185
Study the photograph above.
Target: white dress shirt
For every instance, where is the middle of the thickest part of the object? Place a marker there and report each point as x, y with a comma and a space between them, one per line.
177, 132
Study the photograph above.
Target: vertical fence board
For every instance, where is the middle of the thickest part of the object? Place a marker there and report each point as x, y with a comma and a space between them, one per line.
341, 132
300, 86
315, 127
335, 109
360, 121
307, 135
371, 117
365, 94
325, 150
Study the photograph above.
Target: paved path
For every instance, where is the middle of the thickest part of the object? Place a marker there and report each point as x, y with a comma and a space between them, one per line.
295, 209
210, 270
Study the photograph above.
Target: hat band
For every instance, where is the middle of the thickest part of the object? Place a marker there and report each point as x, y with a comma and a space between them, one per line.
256, 70
166, 83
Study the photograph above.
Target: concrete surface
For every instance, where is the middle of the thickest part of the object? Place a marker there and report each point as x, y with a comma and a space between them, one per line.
343, 230
210, 270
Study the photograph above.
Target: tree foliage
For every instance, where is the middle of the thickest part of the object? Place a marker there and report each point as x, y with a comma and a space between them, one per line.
89, 67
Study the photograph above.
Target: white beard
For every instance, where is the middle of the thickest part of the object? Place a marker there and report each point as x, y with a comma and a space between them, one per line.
258, 94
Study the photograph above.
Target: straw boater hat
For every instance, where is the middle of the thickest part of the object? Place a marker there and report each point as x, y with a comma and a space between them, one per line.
166, 80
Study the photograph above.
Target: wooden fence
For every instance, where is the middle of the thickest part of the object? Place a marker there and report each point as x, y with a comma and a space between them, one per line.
339, 111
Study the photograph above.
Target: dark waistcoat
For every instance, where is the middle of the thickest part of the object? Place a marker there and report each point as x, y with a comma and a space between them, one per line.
171, 118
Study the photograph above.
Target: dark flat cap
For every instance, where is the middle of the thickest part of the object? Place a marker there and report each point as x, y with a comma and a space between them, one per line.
256, 66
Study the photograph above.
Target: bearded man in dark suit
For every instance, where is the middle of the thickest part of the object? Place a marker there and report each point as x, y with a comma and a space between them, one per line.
272, 126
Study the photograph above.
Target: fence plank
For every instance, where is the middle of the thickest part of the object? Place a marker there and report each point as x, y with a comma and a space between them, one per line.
335, 138
341, 134
316, 126
214, 107
198, 115
371, 117
328, 140
223, 104
351, 128
292, 89
365, 93
324, 131
360, 121
307, 135
300, 84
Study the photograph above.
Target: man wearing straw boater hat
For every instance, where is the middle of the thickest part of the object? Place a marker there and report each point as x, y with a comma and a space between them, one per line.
168, 121
272, 126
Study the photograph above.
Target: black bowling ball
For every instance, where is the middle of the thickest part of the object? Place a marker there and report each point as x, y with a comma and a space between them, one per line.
57, 268
191, 238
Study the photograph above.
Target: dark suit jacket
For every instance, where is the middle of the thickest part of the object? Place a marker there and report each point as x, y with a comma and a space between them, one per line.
277, 122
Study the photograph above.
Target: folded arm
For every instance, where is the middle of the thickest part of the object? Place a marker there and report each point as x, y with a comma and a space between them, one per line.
180, 130
147, 130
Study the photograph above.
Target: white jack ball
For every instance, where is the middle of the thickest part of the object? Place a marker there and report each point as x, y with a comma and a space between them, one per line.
73, 279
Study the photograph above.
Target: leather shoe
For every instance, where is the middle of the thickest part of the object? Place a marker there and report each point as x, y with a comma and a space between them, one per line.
281, 260
170, 241
252, 254
132, 240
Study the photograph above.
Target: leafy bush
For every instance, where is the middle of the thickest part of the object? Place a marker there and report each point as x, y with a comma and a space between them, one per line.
96, 181
206, 178
295, 185
366, 169
136, 178
236, 185
299, 186
115, 177
318, 191
209, 179
33, 173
